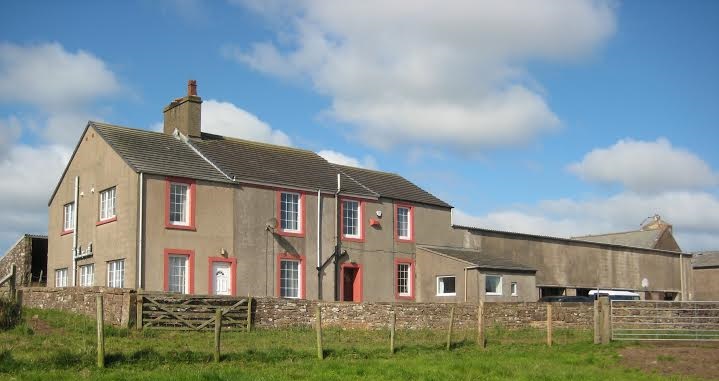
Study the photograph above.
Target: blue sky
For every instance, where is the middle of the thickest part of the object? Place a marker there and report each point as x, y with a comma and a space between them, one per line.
552, 118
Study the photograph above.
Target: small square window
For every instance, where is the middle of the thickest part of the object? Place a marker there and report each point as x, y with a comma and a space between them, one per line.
493, 284
514, 289
446, 286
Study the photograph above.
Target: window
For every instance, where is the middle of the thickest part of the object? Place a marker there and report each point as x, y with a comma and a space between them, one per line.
514, 289
446, 286
178, 279
107, 204
404, 228
352, 220
493, 284
61, 278
180, 204
68, 220
87, 275
290, 210
404, 276
116, 273
291, 277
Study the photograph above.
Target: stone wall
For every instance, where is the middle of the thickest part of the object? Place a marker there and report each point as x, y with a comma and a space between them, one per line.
118, 304
20, 255
276, 313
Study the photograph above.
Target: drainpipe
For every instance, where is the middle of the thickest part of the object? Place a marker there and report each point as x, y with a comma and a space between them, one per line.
465, 280
338, 238
319, 245
140, 231
74, 230
681, 275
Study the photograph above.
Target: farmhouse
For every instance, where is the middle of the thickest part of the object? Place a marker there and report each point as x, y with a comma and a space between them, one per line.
191, 212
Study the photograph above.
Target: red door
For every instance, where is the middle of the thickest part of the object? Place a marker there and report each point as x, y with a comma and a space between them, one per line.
351, 283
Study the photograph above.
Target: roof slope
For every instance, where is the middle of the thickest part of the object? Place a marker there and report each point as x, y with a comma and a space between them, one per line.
479, 259
706, 259
157, 153
271, 164
390, 185
640, 238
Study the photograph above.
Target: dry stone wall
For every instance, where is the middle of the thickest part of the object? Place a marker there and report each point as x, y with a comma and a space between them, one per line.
21, 256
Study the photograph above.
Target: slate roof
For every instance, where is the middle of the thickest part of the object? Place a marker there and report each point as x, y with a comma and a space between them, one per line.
640, 238
483, 260
705, 259
157, 153
391, 185
271, 164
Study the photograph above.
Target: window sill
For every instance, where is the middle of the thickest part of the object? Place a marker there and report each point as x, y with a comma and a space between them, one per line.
352, 239
181, 227
454, 294
107, 221
493, 294
291, 233
405, 240
405, 297
66, 232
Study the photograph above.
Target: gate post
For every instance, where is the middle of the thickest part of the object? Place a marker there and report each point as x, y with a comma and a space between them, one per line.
606, 314
597, 324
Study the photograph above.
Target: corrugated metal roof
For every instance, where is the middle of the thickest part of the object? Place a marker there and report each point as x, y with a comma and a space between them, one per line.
480, 259
638, 238
392, 186
705, 259
271, 164
157, 153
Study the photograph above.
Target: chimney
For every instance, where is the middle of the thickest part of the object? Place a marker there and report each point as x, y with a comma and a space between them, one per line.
184, 114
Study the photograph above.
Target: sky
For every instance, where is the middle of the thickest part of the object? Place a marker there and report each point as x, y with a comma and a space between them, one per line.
560, 118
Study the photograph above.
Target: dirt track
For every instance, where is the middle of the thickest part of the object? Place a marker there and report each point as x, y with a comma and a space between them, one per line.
681, 358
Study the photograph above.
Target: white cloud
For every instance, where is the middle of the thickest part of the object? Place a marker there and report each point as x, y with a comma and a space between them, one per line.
646, 166
339, 158
224, 118
427, 73
10, 129
48, 76
695, 216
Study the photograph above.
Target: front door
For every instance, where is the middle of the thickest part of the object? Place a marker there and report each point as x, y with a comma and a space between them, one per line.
221, 271
351, 286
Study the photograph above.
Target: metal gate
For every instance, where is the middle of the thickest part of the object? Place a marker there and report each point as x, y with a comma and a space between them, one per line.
664, 320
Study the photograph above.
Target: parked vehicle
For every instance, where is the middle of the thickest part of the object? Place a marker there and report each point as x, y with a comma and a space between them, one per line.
566, 299
614, 295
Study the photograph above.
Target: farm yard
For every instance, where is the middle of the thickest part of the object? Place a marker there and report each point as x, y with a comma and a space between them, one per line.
53, 345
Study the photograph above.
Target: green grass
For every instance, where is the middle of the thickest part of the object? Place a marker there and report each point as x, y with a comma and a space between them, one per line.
68, 352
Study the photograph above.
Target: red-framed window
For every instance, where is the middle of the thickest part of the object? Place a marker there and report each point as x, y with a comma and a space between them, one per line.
179, 271
291, 213
214, 281
404, 222
290, 276
68, 218
180, 201
404, 279
352, 219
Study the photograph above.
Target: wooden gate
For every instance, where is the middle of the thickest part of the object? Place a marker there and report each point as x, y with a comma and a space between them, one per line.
192, 312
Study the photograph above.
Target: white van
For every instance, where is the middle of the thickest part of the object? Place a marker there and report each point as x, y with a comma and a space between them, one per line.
615, 295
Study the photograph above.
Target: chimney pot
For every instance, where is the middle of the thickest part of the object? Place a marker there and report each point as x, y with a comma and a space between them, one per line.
192, 88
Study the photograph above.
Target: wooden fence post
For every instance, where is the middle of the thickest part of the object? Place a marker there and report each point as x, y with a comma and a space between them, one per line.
100, 331
449, 330
605, 319
481, 341
318, 327
549, 324
249, 313
138, 310
18, 297
392, 327
218, 329
13, 278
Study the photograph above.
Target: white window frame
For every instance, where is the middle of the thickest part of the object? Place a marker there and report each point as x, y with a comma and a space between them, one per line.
499, 285
284, 214
408, 236
186, 206
282, 291
87, 275
398, 268
514, 288
358, 224
116, 273
61, 277
183, 286
107, 204
68, 219
440, 285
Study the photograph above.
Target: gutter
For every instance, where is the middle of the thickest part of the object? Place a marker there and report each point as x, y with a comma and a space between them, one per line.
319, 245
140, 230
74, 230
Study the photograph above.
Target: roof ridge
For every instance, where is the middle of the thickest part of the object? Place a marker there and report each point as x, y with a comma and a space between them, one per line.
241, 140
351, 178
369, 170
615, 233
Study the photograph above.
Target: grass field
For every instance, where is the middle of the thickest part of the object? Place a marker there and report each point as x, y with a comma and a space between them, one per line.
57, 346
